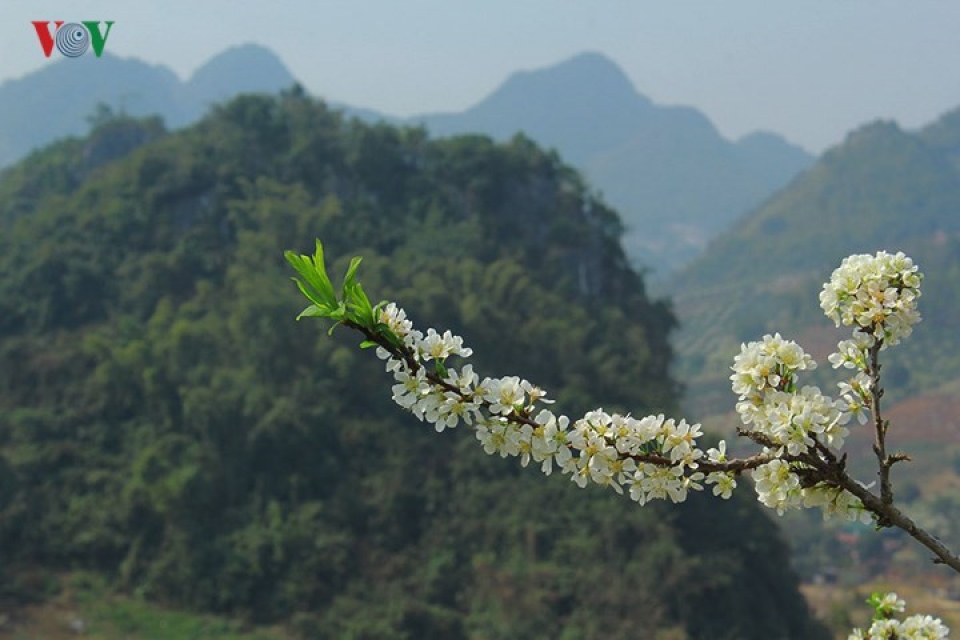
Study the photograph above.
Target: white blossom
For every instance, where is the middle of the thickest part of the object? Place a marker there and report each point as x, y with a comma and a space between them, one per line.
923, 627
891, 603
505, 395
718, 454
435, 346
723, 483
679, 440
855, 396
549, 441
877, 294
410, 388
852, 353
886, 627
465, 379
396, 320
658, 482
835, 503
449, 409
777, 486
499, 435
767, 365
794, 420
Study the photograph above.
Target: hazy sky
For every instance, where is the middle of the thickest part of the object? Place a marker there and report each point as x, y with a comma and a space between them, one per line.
810, 70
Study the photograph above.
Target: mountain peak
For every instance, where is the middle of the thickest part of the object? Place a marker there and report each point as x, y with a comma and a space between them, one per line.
674, 178
582, 105
872, 132
588, 80
944, 134
30, 118
588, 70
247, 68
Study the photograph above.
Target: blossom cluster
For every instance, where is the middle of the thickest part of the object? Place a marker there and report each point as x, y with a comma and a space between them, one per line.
876, 294
649, 458
790, 423
779, 487
886, 627
796, 421
770, 364
799, 428
655, 457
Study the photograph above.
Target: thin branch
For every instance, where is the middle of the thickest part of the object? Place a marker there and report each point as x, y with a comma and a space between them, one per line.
820, 465
884, 462
736, 465
892, 516
832, 471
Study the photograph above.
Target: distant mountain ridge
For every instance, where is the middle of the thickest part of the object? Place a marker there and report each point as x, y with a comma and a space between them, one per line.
675, 181
557, 104
56, 100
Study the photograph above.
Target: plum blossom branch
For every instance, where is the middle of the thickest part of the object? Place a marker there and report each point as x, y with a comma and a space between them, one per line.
877, 296
801, 431
654, 457
891, 516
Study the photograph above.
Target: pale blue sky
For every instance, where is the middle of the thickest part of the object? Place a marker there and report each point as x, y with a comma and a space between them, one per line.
810, 70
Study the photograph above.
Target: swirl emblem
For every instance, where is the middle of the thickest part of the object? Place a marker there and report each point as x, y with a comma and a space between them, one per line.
73, 40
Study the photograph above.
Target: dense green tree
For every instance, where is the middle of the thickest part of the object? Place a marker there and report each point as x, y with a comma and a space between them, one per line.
164, 421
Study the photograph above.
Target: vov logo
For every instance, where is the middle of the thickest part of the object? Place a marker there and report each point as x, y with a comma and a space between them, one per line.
72, 38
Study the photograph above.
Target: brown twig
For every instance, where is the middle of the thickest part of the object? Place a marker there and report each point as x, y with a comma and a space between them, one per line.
893, 517
884, 462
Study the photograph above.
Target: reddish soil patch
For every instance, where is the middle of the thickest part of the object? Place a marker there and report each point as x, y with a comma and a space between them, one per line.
928, 418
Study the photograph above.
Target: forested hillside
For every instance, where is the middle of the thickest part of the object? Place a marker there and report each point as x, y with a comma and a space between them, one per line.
883, 188
165, 422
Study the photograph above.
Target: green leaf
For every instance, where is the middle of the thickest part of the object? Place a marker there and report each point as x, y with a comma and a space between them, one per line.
311, 296
313, 311
323, 285
314, 273
351, 274
360, 305
366, 344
